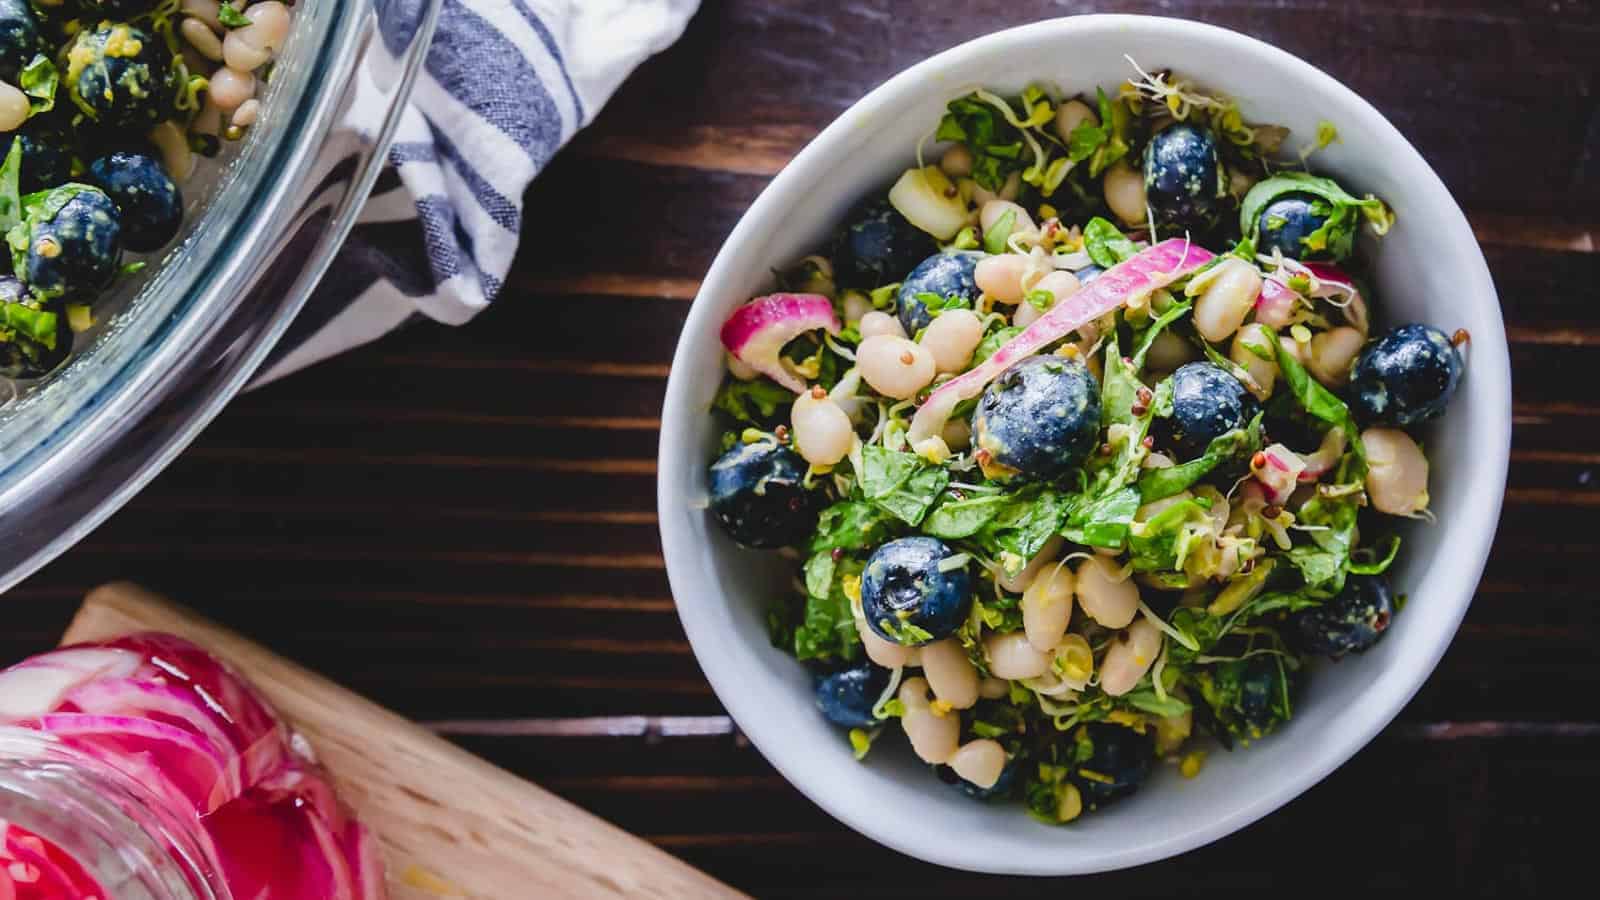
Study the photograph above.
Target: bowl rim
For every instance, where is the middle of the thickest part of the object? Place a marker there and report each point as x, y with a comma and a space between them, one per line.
702, 619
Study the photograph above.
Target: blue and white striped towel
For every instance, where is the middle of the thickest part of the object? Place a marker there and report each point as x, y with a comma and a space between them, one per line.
507, 83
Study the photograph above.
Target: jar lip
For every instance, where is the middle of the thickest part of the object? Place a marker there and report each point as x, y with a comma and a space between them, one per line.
123, 834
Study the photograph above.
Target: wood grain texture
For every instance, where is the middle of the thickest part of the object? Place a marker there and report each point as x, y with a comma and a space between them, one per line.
459, 523
450, 824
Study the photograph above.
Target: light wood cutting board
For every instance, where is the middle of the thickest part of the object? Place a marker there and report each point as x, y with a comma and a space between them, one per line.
450, 824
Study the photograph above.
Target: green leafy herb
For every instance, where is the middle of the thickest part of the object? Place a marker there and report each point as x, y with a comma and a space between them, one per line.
1380, 563
994, 341
1336, 237
912, 499
1040, 300
936, 304
1114, 119
1316, 399
883, 471
231, 18
953, 519
827, 629
34, 324
754, 402
1084, 141
1106, 244
10, 194
1146, 700
38, 80
1155, 484
1162, 543
996, 146
851, 525
994, 240
1025, 523
1103, 522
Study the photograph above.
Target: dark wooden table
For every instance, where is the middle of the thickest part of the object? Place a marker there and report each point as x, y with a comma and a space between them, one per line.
460, 523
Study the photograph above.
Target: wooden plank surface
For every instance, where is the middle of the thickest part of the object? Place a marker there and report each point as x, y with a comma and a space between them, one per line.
459, 523
449, 824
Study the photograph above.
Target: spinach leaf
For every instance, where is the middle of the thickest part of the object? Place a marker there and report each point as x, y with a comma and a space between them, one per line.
1024, 524
1155, 484
10, 191
911, 500
827, 629
231, 18
1162, 543
1323, 563
1084, 141
38, 80
936, 304
756, 402
1380, 564
1103, 522
883, 470
953, 519
1317, 400
996, 146
1114, 120
1106, 243
851, 525
1336, 236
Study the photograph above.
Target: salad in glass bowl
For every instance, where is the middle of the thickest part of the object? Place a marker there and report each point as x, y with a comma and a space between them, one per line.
1087, 439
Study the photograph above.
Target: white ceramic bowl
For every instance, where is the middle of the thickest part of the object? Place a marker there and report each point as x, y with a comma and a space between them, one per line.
1428, 269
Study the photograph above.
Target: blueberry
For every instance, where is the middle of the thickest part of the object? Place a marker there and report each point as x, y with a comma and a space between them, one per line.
46, 155
23, 356
1352, 621
906, 596
1088, 274
120, 75
1040, 418
1287, 221
942, 274
74, 243
1207, 403
758, 497
1119, 760
150, 205
1405, 377
19, 38
1183, 180
877, 246
1000, 790
846, 697
1245, 698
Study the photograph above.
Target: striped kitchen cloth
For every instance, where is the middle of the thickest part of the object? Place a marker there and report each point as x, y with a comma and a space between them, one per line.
507, 83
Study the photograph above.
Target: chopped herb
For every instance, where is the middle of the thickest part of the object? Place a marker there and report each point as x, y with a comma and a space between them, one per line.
1106, 243
231, 18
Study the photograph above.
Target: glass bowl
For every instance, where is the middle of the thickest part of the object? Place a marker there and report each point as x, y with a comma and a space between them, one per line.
184, 335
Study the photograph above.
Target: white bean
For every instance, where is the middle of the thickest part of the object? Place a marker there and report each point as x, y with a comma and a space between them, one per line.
244, 57
269, 25
950, 673
1169, 351
1397, 472
1001, 276
980, 762
1072, 114
1047, 607
934, 738
951, 337
894, 366
1106, 594
14, 107
993, 688
957, 161
202, 38
822, 431
1131, 654
1156, 460
1264, 371
204, 10
176, 156
231, 87
884, 652
995, 210
1124, 189
875, 323
246, 114
1047, 556
1221, 308
1012, 656
1332, 352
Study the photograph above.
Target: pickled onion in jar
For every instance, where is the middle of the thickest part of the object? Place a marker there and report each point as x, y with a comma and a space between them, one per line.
173, 719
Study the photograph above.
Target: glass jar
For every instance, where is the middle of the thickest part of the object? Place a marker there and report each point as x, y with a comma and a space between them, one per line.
122, 836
